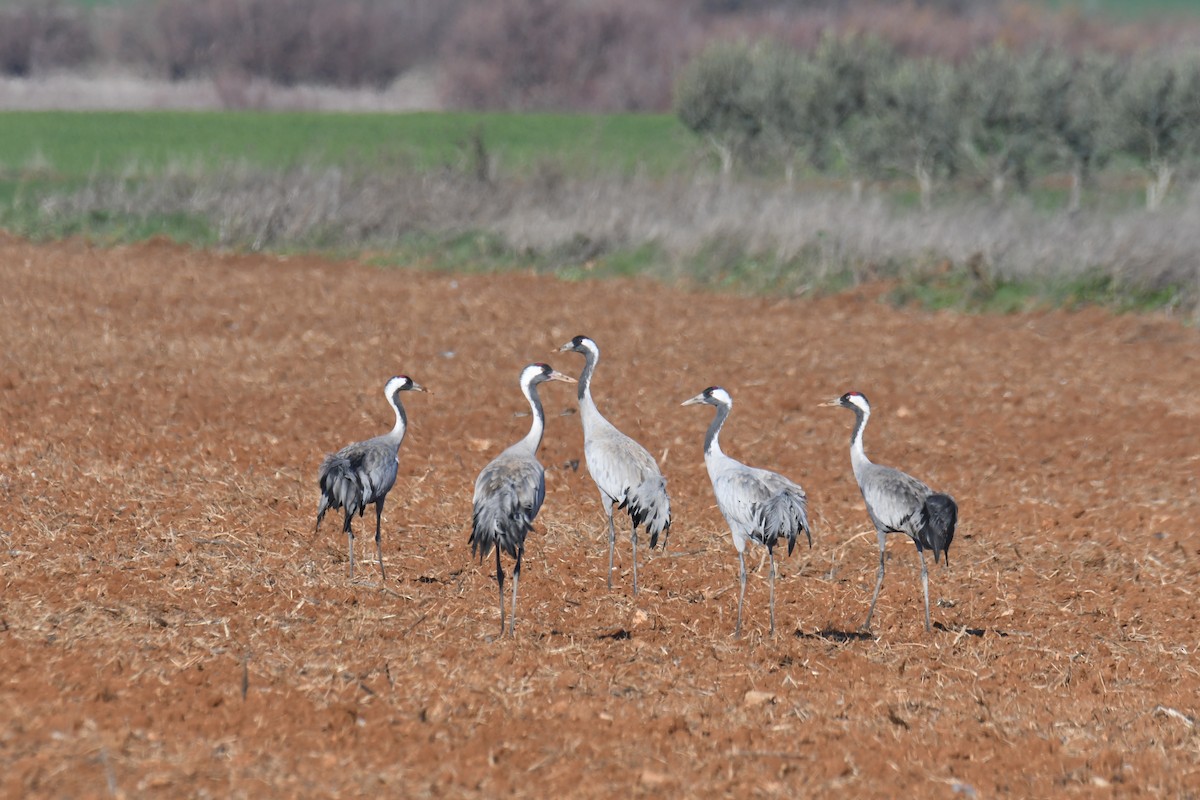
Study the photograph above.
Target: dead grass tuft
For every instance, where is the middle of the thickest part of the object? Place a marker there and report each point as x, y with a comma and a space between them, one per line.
169, 618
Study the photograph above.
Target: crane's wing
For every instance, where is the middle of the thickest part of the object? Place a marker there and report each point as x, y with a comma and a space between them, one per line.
356, 476
508, 495
617, 463
895, 500
739, 491
624, 471
785, 513
762, 505
937, 532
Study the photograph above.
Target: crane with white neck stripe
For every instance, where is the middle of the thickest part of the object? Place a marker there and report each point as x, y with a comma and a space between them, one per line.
898, 503
509, 491
364, 472
759, 505
624, 472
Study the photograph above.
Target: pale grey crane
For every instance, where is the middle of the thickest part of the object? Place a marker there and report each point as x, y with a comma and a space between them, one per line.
509, 491
898, 503
363, 473
758, 504
623, 471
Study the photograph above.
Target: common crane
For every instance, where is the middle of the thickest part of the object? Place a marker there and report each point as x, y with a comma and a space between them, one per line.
363, 473
898, 503
510, 490
758, 504
624, 472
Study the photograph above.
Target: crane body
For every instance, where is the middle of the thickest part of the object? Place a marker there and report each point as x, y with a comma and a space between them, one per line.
363, 473
624, 472
509, 491
898, 503
759, 505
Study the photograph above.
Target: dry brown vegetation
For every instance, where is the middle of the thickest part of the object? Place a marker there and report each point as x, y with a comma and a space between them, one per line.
616, 55
171, 625
749, 234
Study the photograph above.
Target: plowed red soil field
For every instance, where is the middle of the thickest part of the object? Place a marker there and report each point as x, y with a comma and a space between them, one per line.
171, 625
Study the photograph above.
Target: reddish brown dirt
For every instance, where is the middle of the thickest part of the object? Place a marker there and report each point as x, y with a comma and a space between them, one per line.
172, 626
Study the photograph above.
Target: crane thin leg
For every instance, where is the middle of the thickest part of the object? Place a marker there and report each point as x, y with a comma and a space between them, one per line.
500, 583
612, 538
878, 580
737, 631
771, 553
350, 542
378, 544
925, 587
633, 538
512, 623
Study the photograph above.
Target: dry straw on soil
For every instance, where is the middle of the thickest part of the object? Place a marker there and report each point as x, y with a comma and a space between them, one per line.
171, 625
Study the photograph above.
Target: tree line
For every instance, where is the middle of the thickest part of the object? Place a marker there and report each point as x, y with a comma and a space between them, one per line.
855, 106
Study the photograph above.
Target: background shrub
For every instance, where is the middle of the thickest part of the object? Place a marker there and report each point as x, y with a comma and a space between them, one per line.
39, 36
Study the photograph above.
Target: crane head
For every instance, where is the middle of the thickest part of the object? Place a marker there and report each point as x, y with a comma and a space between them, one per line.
402, 383
855, 401
540, 373
713, 396
580, 344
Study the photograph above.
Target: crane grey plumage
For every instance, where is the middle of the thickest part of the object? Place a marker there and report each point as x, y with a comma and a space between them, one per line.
898, 503
364, 472
624, 472
510, 490
759, 505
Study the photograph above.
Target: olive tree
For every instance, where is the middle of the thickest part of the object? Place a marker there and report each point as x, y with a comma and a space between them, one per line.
843, 72
787, 88
719, 96
1071, 102
911, 123
1157, 118
998, 135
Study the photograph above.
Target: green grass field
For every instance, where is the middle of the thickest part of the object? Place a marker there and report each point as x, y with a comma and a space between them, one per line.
70, 145
128, 176
1132, 9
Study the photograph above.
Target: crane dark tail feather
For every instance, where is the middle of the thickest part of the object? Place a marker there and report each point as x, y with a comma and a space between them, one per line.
649, 507
340, 487
784, 515
941, 516
502, 527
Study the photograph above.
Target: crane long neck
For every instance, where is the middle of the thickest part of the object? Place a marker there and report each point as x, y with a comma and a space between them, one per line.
534, 438
397, 432
712, 444
858, 455
590, 357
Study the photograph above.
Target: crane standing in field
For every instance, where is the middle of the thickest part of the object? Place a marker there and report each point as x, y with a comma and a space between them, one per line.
510, 490
363, 473
624, 472
758, 504
898, 503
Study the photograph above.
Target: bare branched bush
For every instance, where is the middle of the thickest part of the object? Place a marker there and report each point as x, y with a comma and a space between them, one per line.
544, 54
334, 42
35, 37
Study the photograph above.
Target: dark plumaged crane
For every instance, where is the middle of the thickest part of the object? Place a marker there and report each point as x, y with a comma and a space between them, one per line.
363, 473
624, 472
510, 490
898, 503
758, 504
